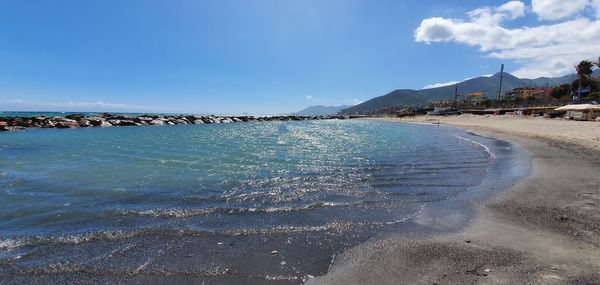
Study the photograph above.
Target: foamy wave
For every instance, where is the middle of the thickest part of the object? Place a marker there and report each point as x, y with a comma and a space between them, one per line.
12, 243
484, 147
191, 212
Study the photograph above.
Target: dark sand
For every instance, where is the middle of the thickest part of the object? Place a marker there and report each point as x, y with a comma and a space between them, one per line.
544, 230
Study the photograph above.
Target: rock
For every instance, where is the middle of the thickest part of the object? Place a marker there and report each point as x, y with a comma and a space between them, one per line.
105, 124
198, 122
157, 122
84, 123
11, 128
96, 121
48, 124
114, 122
75, 117
128, 123
142, 119
67, 124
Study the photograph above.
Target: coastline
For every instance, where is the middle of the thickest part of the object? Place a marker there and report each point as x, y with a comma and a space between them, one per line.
543, 230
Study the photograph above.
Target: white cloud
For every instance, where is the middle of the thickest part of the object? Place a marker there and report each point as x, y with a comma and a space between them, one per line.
450, 83
99, 106
356, 101
308, 97
437, 85
557, 9
514, 9
542, 50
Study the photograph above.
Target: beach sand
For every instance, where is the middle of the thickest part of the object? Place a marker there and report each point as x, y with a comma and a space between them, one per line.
543, 230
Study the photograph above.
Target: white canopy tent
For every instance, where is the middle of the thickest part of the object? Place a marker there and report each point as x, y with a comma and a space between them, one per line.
579, 107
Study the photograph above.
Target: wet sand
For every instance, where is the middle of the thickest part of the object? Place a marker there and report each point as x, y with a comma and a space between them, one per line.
543, 230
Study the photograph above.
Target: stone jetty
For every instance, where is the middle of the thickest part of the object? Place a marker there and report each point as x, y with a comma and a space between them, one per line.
110, 120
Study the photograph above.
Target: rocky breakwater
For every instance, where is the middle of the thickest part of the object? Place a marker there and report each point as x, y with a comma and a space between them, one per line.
110, 120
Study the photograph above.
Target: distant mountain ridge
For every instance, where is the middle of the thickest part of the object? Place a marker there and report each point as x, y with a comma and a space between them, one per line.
488, 85
321, 110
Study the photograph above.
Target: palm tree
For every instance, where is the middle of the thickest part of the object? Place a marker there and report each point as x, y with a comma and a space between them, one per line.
584, 70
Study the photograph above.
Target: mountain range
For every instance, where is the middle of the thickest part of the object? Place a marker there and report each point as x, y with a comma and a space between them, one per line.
321, 110
488, 85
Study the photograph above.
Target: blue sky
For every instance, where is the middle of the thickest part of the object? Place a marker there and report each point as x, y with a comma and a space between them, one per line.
247, 56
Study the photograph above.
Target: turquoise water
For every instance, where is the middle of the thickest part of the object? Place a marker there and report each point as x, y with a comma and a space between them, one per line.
61, 188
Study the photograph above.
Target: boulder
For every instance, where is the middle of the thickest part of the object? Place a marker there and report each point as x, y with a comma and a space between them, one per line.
75, 117
142, 119
114, 122
104, 124
48, 124
67, 124
6, 128
128, 123
157, 122
96, 121
84, 123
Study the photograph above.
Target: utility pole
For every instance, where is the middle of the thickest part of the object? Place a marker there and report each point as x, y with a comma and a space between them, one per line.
501, 77
456, 97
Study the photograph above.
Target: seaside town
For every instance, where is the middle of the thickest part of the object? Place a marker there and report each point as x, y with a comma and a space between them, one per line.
578, 100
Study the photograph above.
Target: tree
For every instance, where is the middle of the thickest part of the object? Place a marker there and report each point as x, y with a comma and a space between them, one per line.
561, 91
584, 68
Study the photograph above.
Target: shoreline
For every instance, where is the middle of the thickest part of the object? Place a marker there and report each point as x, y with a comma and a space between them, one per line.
541, 230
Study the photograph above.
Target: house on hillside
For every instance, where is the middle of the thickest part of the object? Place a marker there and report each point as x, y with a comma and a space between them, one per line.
474, 98
529, 92
442, 104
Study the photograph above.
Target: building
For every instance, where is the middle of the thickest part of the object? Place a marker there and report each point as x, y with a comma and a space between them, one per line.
474, 98
529, 92
442, 103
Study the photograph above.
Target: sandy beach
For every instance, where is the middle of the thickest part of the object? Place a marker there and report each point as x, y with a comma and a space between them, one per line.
543, 230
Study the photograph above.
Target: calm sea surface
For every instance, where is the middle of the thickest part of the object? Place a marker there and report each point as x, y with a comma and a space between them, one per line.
197, 201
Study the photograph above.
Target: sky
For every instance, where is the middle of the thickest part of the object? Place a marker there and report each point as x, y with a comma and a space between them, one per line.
273, 56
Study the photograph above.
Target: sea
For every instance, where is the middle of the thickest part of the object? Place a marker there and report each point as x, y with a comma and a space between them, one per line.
240, 203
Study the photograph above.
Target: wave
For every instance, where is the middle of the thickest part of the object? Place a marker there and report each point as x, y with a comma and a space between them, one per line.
13, 243
484, 147
192, 212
